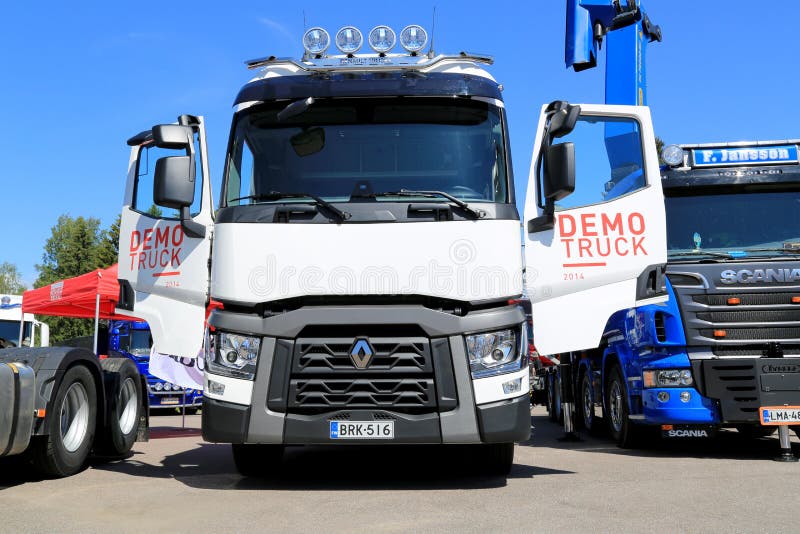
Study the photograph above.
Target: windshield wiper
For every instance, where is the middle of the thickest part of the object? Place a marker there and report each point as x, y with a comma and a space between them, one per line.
775, 249
478, 214
277, 195
695, 253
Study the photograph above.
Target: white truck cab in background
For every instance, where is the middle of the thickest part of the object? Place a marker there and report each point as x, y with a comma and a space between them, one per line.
34, 333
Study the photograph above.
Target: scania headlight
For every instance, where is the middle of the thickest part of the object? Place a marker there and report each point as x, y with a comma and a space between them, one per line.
496, 353
667, 378
232, 355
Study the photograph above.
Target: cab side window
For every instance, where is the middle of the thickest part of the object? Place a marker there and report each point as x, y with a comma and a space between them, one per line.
143, 193
609, 161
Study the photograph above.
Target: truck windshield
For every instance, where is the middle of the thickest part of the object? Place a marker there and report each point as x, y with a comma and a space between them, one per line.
755, 223
339, 149
9, 333
138, 342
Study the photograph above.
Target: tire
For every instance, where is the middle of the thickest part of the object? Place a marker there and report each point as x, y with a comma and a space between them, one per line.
496, 458
555, 398
626, 434
586, 402
70, 426
257, 460
755, 431
124, 394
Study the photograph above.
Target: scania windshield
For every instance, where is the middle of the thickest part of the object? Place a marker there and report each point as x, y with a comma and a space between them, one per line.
356, 149
731, 226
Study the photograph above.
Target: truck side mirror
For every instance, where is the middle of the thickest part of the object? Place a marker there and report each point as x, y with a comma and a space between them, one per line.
559, 171
173, 186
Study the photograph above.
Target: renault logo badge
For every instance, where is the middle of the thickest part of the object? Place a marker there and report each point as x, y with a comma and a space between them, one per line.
361, 353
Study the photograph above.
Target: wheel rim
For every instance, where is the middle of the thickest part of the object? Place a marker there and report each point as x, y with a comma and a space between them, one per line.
615, 406
128, 401
74, 420
588, 405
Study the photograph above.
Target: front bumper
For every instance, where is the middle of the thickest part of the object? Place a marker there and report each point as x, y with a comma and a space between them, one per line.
452, 407
697, 410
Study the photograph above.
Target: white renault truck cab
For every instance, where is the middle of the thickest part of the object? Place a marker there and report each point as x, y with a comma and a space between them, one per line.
364, 252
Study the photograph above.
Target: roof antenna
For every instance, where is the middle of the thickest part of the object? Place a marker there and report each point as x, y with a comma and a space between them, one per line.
433, 28
305, 26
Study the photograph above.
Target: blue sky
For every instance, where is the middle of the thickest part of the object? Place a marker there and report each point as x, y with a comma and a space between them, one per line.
79, 78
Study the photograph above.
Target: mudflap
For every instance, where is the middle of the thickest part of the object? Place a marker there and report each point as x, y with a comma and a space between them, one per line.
688, 431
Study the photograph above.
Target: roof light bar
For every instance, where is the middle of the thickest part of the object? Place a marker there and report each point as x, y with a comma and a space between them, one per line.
413, 38
349, 40
382, 39
316, 41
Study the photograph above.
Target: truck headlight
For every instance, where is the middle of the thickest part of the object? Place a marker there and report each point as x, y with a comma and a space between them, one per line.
232, 355
497, 353
667, 378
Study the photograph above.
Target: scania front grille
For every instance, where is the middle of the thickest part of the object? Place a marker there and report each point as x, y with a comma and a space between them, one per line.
752, 316
734, 319
745, 299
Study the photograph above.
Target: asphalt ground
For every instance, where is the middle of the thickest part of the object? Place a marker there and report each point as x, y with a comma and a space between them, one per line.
177, 483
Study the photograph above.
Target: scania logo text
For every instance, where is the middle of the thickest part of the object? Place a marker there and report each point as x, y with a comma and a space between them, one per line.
361, 353
755, 276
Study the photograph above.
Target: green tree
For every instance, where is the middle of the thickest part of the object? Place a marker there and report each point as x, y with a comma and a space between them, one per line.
659, 148
10, 279
109, 243
75, 246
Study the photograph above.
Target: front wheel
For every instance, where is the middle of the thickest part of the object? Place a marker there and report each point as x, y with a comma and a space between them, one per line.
70, 426
257, 459
625, 433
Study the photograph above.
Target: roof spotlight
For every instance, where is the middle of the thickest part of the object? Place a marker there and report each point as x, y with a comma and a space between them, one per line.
349, 40
413, 38
382, 39
316, 41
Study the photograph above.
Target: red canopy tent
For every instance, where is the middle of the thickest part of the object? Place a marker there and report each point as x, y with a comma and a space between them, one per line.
90, 295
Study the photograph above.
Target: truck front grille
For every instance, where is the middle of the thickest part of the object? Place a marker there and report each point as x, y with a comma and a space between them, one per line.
325, 356
399, 376
733, 319
402, 394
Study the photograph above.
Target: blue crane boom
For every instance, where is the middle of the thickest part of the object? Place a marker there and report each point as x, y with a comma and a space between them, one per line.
626, 29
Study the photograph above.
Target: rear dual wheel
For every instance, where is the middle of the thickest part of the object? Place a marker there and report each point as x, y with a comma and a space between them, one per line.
70, 426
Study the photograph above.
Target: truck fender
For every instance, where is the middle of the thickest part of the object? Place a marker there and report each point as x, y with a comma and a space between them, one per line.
49, 365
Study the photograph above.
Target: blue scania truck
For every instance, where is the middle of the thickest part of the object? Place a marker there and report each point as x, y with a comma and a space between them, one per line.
133, 340
724, 350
